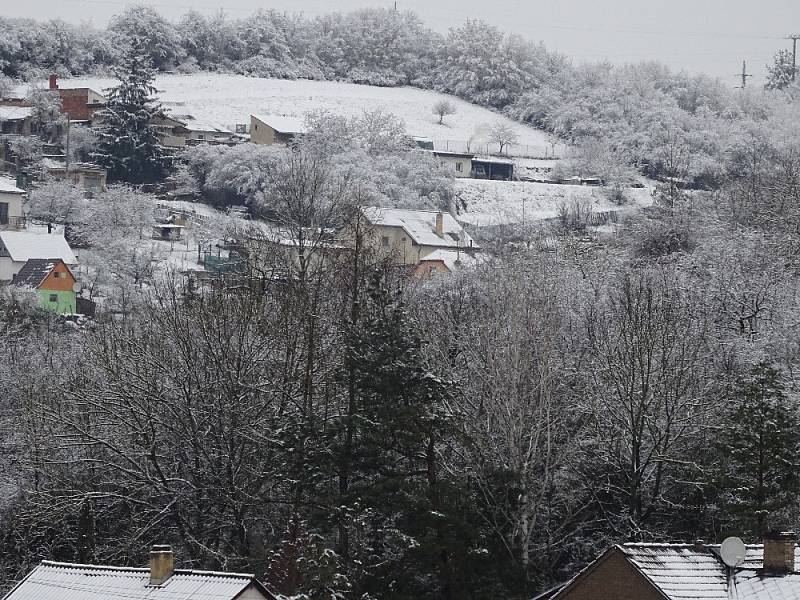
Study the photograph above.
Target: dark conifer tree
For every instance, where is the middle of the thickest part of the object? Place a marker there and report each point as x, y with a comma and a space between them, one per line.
758, 454
127, 142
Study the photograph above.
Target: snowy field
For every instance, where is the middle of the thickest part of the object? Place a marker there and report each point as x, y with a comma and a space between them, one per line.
501, 202
231, 99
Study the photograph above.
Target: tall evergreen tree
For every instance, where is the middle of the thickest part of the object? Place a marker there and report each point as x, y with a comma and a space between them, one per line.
758, 453
127, 142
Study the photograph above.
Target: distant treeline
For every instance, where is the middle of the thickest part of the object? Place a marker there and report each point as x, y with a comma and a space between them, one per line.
664, 124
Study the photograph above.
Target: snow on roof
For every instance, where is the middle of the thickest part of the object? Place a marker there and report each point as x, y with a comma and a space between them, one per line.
420, 225
686, 572
8, 186
493, 160
453, 154
283, 124
453, 259
193, 124
64, 581
23, 246
15, 113
752, 585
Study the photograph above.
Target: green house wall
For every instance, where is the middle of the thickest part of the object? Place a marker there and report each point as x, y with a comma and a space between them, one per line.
65, 302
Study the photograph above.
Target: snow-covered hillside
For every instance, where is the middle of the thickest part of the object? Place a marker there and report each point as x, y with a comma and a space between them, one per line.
231, 99
501, 202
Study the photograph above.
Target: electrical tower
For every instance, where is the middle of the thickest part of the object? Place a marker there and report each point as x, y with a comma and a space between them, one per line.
794, 37
744, 75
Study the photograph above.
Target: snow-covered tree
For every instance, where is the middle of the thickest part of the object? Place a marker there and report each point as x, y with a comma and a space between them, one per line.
503, 134
127, 142
142, 28
47, 118
443, 108
781, 73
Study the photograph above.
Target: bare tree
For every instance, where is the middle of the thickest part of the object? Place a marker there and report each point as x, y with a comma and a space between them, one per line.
443, 108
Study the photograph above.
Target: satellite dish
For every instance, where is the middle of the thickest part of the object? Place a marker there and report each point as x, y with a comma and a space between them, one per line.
732, 552
76, 287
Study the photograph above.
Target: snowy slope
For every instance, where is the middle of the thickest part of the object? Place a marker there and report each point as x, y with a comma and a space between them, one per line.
501, 202
231, 99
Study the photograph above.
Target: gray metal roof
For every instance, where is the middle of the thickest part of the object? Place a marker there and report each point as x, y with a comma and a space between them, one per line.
66, 581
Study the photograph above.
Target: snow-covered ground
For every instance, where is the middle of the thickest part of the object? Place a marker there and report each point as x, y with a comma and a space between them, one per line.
501, 202
231, 99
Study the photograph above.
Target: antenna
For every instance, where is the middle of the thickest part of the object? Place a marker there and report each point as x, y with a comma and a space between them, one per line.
732, 552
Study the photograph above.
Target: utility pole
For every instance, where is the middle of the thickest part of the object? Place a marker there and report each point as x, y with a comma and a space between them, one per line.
66, 153
744, 74
794, 37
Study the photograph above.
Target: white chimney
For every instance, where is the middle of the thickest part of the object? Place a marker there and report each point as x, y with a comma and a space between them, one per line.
162, 564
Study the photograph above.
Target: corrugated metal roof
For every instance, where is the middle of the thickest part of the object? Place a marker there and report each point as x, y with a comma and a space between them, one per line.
66, 581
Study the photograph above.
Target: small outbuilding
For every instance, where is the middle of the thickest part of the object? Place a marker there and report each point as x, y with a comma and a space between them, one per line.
459, 162
493, 168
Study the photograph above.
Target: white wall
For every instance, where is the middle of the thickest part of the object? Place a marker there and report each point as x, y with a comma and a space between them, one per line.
9, 268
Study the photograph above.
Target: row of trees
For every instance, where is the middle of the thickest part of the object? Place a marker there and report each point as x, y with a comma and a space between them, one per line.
636, 112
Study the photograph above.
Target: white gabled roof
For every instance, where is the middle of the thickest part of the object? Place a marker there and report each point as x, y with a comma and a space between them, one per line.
420, 225
66, 581
23, 246
283, 124
9, 186
15, 113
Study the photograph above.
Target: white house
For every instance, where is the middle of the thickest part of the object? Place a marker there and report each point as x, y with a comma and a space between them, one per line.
18, 247
161, 581
414, 235
11, 216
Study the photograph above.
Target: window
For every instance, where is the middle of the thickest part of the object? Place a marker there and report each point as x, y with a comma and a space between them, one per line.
53, 297
459, 167
3, 213
385, 242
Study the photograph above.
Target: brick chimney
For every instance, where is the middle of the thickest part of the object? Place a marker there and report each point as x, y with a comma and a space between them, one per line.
779, 551
53, 82
162, 564
440, 224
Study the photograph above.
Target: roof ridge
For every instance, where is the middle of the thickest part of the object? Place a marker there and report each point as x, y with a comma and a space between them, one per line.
53, 563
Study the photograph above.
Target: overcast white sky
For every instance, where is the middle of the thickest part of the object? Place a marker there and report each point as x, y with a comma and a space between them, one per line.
711, 36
